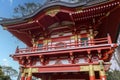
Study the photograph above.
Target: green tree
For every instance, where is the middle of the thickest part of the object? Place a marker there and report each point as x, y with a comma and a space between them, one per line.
25, 9
3, 76
113, 75
9, 71
1, 73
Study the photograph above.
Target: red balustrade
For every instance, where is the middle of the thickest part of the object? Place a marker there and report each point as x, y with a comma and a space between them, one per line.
68, 45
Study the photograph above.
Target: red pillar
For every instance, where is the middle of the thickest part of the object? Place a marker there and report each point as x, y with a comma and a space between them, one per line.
102, 75
91, 72
102, 71
29, 77
22, 75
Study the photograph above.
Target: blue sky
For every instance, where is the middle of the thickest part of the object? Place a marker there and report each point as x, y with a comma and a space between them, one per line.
7, 6
8, 42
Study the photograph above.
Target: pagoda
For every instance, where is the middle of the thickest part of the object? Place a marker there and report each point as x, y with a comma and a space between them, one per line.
67, 40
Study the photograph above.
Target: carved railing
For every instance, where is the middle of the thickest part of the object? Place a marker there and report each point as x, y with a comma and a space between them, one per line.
67, 46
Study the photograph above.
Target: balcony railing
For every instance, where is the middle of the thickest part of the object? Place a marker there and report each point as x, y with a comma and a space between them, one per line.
67, 46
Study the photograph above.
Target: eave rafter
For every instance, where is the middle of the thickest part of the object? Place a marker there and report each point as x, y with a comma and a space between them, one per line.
55, 26
97, 13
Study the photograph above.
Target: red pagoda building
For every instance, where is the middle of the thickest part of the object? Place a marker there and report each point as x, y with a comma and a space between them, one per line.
67, 41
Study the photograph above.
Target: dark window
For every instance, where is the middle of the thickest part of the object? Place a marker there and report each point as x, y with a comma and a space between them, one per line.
84, 41
40, 45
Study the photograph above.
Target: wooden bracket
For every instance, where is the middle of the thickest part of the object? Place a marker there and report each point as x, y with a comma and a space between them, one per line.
42, 60
71, 57
88, 51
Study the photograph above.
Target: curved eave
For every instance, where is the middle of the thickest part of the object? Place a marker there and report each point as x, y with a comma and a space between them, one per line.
111, 25
57, 3
23, 37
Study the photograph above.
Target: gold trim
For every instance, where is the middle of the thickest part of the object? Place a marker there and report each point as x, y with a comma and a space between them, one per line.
84, 68
26, 70
96, 67
79, 9
31, 22
52, 11
45, 42
87, 68
76, 37
52, 8
108, 14
23, 74
34, 70
102, 73
67, 23
91, 70
30, 72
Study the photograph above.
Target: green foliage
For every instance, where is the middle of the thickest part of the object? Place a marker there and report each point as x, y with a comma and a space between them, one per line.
9, 71
113, 75
1, 73
26, 9
3, 76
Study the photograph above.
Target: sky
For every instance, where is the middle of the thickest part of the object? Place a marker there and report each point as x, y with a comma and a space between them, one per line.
8, 42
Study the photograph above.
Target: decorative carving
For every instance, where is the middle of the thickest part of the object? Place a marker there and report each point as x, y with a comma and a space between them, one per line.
42, 60
52, 11
71, 57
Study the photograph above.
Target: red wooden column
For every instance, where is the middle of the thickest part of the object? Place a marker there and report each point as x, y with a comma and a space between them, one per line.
102, 71
91, 72
102, 75
23, 76
29, 77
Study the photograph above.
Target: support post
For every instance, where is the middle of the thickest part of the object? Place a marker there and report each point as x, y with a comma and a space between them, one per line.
23, 76
76, 40
91, 72
91, 37
102, 75
29, 77
102, 71
109, 39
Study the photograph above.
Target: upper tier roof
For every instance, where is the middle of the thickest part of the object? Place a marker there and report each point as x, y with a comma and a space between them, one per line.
50, 3
58, 16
